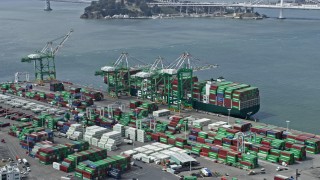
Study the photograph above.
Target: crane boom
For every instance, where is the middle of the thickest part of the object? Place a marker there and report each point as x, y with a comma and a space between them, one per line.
44, 62
65, 38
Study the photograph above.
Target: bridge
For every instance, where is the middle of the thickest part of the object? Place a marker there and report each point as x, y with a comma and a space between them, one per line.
251, 5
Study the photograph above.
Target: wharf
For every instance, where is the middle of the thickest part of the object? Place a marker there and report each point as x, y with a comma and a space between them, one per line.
309, 168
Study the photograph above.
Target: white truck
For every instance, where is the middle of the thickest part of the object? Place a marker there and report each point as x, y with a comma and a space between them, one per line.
127, 141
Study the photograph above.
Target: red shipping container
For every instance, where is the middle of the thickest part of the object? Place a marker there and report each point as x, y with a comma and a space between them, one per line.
212, 96
298, 146
246, 163
204, 154
201, 140
265, 149
187, 147
227, 103
63, 168
222, 156
206, 150
302, 138
223, 151
233, 148
171, 141
233, 131
235, 103
155, 137
288, 144
181, 140
280, 177
265, 143
218, 142
285, 153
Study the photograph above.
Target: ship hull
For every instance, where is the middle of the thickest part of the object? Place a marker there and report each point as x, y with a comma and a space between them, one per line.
243, 113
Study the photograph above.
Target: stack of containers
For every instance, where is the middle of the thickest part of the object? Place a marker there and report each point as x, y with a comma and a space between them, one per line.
70, 163
264, 152
134, 104
55, 153
245, 98
221, 93
232, 157
278, 144
131, 133
163, 138
37, 146
249, 161
141, 136
52, 123
197, 87
172, 126
33, 138
110, 145
180, 142
119, 128
286, 157
76, 146
313, 145
222, 155
202, 122
274, 134
214, 151
100, 169
94, 132
150, 106
65, 127
161, 127
75, 130
272, 158
299, 152
242, 126
110, 140
56, 86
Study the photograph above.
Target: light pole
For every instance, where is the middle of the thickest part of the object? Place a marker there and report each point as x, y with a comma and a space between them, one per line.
287, 125
229, 116
185, 129
248, 114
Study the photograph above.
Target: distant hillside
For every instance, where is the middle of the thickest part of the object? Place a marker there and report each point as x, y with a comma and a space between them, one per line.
133, 8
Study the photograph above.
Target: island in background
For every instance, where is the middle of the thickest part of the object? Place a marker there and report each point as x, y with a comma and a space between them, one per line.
125, 9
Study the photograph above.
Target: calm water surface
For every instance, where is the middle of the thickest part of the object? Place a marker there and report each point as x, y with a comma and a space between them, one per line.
281, 57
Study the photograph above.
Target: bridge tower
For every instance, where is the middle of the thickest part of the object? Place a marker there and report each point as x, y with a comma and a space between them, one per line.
281, 10
48, 8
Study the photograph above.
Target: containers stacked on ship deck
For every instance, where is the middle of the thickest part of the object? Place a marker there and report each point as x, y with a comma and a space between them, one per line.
219, 96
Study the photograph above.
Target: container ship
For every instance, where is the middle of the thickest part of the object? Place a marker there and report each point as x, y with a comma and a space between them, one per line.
176, 86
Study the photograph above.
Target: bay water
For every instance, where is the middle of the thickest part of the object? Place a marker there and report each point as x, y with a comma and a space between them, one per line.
281, 57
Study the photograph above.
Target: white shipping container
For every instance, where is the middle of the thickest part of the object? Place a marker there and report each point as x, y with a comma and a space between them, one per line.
56, 165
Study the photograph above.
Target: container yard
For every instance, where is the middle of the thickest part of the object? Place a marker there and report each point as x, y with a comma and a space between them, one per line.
124, 137
153, 120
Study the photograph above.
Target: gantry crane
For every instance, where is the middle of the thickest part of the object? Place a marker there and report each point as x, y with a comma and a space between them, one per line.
146, 82
179, 82
117, 76
44, 60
